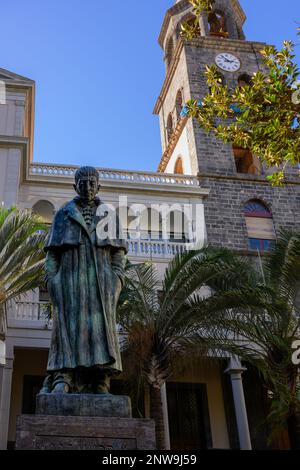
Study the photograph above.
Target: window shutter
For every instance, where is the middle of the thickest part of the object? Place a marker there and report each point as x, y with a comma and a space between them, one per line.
261, 228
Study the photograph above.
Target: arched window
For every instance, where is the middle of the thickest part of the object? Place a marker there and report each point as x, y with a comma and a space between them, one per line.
169, 126
169, 51
217, 24
246, 162
45, 210
178, 168
260, 226
192, 22
179, 104
244, 80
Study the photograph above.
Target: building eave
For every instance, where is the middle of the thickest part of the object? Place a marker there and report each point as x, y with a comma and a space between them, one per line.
8, 76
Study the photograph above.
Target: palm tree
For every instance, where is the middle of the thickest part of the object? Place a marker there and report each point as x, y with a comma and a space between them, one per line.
259, 320
22, 237
159, 319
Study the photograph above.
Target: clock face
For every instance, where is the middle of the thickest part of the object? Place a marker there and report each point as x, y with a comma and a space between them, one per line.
227, 62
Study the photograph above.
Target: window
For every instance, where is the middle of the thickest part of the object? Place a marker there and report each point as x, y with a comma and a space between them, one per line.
179, 104
217, 24
246, 162
45, 210
260, 226
244, 80
178, 168
193, 23
169, 126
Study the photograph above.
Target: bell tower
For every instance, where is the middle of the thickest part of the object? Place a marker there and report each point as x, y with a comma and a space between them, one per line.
233, 175
220, 41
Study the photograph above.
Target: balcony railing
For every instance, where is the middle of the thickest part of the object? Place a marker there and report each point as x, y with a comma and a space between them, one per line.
155, 249
109, 175
30, 311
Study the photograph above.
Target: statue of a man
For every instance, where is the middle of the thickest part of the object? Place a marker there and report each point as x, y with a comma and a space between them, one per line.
84, 278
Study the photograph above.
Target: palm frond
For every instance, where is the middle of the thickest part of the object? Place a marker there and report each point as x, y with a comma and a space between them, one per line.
208, 267
139, 299
22, 236
282, 266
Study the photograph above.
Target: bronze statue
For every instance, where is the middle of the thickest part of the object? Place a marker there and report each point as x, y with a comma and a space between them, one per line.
84, 279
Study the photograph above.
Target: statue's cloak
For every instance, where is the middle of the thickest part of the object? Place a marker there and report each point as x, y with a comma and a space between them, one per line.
85, 276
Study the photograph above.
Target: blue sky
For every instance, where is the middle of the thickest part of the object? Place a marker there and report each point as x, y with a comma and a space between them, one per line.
98, 70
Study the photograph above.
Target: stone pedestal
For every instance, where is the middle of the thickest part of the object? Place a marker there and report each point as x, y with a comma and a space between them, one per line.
63, 404
82, 422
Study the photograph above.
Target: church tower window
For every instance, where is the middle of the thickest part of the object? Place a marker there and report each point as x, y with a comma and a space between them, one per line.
246, 162
170, 126
178, 168
169, 51
192, 22
244, 80
217, 24
179, 104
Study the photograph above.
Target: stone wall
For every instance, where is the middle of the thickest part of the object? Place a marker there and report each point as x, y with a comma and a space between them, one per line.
224, 215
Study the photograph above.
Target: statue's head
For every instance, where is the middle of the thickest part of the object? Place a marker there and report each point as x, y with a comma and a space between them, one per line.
87, 182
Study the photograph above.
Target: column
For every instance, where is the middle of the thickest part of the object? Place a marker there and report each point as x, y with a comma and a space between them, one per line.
5, 392
235, 370
163, 392
203, 22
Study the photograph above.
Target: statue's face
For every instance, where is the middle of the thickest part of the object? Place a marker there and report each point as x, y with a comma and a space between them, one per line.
87, 187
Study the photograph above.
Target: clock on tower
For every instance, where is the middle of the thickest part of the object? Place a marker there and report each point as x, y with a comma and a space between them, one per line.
228, 62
